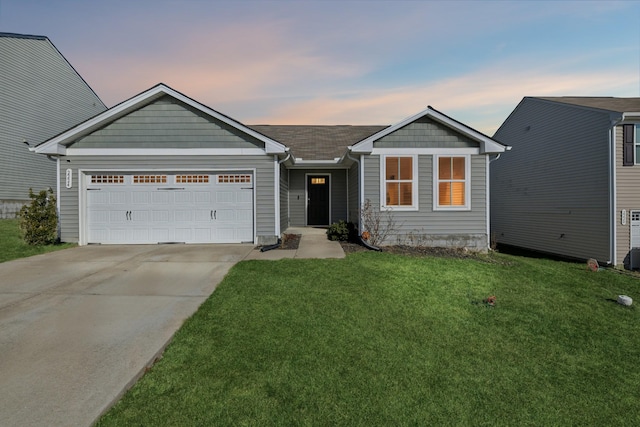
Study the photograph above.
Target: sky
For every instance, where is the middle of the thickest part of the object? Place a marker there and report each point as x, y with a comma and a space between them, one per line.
333, 62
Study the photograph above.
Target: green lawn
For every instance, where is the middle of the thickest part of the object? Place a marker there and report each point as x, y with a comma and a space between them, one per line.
381, 339
13, 247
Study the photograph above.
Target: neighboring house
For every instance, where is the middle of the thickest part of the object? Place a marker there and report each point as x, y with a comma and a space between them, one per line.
41, 95
571, 184
161, 167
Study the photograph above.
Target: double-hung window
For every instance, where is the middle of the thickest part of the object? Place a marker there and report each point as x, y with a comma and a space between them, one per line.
631, 144
452, 182
399, 189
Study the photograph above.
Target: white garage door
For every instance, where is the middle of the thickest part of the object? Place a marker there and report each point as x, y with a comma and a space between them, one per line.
159, 208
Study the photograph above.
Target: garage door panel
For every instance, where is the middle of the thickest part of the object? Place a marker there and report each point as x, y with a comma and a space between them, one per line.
202, 197
117, 216
203, 235
119, 235
183, 197
244, 215
161, 198
159, 216
226, 215
139, 216
159, 234
225, 197
98, 197
140, 235
118, 197
188, 208
140, 197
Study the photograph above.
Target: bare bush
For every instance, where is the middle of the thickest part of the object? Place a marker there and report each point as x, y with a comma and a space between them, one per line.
377, 224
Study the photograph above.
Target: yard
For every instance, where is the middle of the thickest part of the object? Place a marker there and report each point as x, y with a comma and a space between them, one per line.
13, 247
383, 339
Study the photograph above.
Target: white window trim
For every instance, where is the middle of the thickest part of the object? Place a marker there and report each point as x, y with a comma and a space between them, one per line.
467, 186
414, 183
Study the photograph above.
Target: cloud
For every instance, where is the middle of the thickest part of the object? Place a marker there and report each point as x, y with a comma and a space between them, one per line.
481, 99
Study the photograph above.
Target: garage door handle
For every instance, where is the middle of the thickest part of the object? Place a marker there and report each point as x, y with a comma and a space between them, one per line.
213, 214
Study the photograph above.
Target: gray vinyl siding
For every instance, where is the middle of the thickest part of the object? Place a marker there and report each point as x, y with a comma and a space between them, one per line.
627, 197
425, 133
550, 192
263, 182
354, 194
167, 123
298, 197
284, 198
42, 95
429, 227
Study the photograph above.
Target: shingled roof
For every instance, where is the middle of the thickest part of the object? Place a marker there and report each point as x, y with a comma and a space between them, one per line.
310, 142
620, 105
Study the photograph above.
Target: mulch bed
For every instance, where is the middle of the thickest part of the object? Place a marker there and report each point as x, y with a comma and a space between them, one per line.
418, 251
290, 241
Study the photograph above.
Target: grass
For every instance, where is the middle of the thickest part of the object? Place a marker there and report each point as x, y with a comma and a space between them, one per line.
381, 339
13, 247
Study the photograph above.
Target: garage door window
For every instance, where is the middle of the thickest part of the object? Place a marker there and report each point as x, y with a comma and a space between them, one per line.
107, 179
149, 179
234, 179
192, 179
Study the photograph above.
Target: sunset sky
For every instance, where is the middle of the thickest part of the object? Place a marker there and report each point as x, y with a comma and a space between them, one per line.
344, 62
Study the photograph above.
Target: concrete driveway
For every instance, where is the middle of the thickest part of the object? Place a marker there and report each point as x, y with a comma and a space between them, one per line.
79, 326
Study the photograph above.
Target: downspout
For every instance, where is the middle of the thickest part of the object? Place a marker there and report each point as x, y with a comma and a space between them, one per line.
488, 187
57, 160
613, 188
360, 185
277, 191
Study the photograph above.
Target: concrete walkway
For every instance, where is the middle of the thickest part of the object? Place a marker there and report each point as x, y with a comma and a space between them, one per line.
79, 326
313, 244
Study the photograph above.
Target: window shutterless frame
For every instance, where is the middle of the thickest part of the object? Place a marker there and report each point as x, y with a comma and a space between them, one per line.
452, 182
399, 182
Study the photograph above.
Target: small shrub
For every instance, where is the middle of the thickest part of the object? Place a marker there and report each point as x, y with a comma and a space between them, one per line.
39, 219
339, 231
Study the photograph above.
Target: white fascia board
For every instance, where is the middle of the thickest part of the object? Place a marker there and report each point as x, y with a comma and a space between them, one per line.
165, 152
138, 101
425, 151
317, 164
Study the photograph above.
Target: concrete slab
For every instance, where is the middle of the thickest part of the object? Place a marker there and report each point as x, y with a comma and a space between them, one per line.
73, 343
313, 244
318, 246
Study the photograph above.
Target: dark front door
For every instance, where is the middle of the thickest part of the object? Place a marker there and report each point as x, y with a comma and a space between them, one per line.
318, 200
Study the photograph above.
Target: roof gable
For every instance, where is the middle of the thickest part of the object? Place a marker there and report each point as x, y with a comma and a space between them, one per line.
59, 143
466, 135
167, 123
